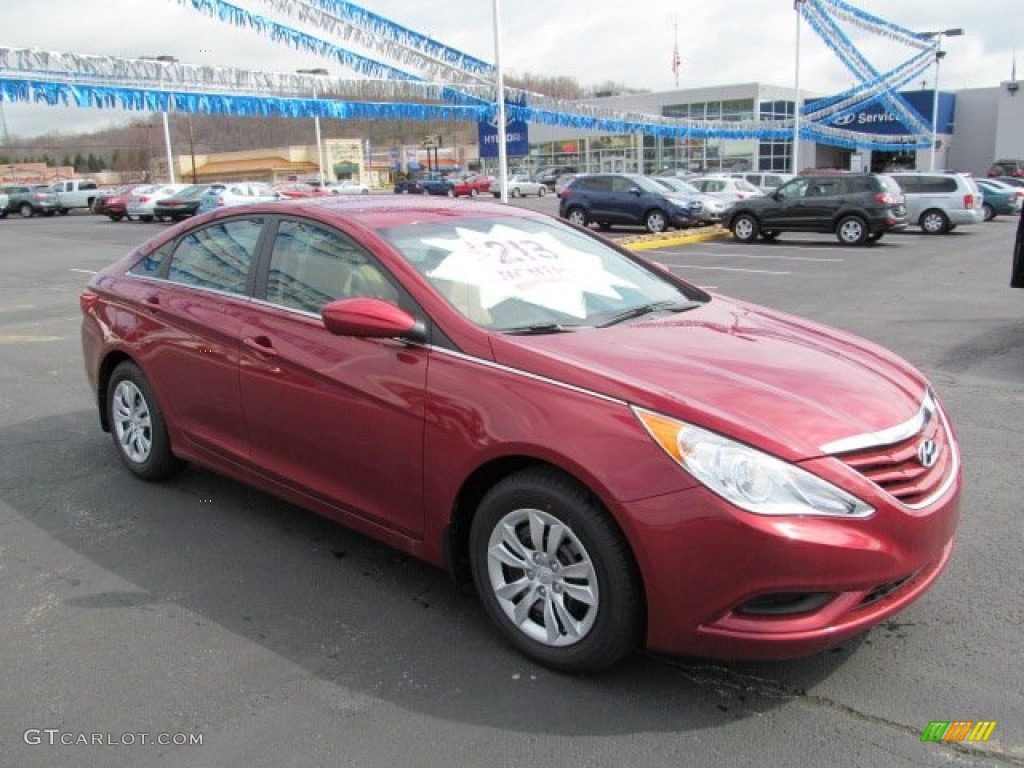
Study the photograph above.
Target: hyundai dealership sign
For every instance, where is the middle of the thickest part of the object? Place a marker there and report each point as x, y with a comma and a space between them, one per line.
517, 137
877, 120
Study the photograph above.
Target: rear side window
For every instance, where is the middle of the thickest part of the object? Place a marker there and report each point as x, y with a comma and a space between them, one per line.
151, 264
594, 184
217, 256
937, 184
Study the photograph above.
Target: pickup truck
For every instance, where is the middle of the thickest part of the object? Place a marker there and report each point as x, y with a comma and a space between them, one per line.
74, 193
430, 184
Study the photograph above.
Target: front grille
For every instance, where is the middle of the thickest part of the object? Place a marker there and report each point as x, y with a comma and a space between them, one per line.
897, 468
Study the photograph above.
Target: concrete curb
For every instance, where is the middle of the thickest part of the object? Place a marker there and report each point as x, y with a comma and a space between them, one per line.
666, 239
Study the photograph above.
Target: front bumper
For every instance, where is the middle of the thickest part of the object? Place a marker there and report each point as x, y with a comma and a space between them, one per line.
706, 565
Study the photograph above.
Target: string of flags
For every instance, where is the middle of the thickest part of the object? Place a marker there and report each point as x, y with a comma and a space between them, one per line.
424, 79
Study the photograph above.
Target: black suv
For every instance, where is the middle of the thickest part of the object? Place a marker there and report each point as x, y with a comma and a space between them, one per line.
858, 207
625, 198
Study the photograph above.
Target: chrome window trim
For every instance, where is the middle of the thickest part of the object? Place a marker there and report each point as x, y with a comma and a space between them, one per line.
889, 436
167, 281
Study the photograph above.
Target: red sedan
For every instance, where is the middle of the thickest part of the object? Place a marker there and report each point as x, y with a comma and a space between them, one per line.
471, 186
615, 457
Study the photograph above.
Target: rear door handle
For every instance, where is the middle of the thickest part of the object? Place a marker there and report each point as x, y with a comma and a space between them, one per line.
262, 344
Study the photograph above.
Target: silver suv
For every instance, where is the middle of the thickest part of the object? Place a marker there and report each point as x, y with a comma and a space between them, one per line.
940, 201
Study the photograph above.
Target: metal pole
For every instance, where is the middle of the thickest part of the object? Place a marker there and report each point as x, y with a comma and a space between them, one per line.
797, 4
500, 86
167, 144
192, 147
935, 100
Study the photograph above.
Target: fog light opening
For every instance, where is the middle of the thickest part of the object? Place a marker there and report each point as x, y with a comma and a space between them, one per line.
785, 603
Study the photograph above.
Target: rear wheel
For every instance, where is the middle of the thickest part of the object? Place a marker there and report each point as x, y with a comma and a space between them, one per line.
115, 216
656, 221
147, 219
745, 228
554, 573
542, 191
137, 425
852, 230
578, 217
988, 211
26, 211
934, 222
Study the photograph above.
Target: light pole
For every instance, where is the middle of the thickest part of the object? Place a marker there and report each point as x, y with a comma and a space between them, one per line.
939, 54
167, 128
319, 71
798, 7
500, 88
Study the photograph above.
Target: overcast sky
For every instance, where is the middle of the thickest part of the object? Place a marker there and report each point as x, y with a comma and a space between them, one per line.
594, 41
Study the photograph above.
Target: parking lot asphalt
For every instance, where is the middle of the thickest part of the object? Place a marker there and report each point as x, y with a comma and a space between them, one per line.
201, 608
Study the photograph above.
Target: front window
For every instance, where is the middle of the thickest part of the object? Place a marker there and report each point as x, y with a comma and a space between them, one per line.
217, 256
514, 274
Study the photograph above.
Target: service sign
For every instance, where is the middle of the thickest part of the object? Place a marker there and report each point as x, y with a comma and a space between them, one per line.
878, 120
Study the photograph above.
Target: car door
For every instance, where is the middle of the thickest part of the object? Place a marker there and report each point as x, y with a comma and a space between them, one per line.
785, 211
628, 202
338, 418
192, 312
821, 200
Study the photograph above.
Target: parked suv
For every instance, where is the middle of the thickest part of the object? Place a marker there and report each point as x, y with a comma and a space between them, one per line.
858, 208
940, 201
30, 199
624, 198
1006, 168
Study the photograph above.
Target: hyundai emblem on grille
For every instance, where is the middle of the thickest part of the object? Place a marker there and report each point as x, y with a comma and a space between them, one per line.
928, 453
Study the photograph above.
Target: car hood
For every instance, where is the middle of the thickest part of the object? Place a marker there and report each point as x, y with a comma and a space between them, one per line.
783, 383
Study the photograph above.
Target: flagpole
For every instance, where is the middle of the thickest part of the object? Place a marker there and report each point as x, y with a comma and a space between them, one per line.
500, 88
797, 6
675, 49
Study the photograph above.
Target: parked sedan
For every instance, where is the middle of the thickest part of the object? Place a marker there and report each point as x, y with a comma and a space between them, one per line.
185, 203
294, 189
726, 188
613, 456
708, 209
236, 193
347, 188
999, 198
113, 202
520, 186
471, 186
142, 202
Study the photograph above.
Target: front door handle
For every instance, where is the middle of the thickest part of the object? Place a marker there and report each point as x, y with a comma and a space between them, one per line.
262, 344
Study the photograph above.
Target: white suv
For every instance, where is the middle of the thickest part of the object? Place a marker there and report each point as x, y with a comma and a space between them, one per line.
939, 201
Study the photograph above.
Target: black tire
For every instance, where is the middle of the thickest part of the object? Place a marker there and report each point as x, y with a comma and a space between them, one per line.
115, 216
594, 616
137, 425
770, 235
852, 230
604, 226
988, 211
146, 219
3, 214
542, 191
655, 221
934, 222
745, 228
62, 211
874, 238
515, 192
26, 211
577, 216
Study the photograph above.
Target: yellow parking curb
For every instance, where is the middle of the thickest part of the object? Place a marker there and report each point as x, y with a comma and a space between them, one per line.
666, 239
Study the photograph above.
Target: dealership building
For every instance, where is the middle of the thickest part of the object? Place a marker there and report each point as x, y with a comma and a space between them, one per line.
974, 127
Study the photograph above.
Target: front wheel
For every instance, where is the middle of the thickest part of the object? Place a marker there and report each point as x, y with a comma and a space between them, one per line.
554, 572
137, 425
655, 222
852, 230
115, 216
542, 191
745, 228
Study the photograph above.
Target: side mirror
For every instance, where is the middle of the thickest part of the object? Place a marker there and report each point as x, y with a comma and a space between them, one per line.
635, 191
368, 318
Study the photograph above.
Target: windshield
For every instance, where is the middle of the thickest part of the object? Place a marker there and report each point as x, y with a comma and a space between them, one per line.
512, 273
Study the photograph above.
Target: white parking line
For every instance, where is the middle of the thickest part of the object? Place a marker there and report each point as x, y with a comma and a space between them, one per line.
84, 271
728, 269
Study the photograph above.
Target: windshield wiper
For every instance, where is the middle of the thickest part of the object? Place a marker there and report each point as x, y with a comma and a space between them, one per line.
540, 328
647, 309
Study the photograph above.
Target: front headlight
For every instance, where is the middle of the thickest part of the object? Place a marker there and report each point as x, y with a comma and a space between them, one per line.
752, 480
